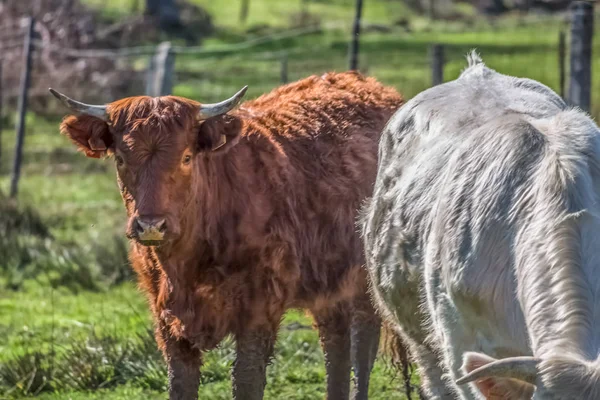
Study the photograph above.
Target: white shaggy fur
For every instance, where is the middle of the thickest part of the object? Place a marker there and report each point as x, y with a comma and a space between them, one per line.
483, 234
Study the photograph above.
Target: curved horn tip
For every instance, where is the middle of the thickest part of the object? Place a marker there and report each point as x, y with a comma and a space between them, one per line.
54, 93
64, 99
223, 107
239, 95
79, 107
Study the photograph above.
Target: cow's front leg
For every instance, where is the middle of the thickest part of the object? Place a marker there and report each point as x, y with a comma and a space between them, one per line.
183, 362
184, 373
254, 349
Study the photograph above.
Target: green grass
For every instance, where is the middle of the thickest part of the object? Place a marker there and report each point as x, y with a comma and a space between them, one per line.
78, 200
42, 318
273, 12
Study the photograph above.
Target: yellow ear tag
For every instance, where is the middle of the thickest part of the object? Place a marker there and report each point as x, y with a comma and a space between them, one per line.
222, 142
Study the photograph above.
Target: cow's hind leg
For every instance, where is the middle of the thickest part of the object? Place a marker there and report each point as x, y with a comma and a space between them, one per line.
433, 385
334, 331
451, 334
408, 320
254, 349
366, 327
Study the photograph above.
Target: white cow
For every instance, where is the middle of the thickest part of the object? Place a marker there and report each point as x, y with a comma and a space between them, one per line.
483, 239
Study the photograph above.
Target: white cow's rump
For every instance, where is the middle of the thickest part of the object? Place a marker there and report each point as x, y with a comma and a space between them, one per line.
483, 239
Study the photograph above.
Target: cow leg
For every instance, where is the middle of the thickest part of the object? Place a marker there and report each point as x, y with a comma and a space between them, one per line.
184, 363
451, 334
254, 349
407, 318
366, 327
334, 331
433, 386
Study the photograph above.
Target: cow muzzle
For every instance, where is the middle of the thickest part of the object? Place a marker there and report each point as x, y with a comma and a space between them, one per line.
149, 231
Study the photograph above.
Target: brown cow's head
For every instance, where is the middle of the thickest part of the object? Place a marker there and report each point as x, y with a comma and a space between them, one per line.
156, 144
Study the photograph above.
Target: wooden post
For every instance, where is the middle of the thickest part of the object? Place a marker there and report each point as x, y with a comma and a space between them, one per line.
582, 30
161, 70
437, 64
562, 52
354, 42
284, 68
22, 106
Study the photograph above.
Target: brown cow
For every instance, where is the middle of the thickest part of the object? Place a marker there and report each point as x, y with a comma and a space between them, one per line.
235, 217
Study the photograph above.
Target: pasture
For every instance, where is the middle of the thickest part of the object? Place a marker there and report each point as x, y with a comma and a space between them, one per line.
72, 322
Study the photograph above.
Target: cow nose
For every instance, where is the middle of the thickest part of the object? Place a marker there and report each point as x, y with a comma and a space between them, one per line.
149, 228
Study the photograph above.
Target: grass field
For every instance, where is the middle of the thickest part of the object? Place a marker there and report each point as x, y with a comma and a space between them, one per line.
41, 317
72, 323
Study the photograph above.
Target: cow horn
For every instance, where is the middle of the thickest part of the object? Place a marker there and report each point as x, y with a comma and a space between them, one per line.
212, 110
81, 108
521, 368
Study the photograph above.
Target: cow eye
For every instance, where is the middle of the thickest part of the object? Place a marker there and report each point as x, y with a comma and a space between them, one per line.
119, 160
187, 159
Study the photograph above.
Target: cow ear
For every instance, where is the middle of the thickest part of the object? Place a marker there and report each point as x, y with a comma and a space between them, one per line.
219, 134
91, 135
495, 388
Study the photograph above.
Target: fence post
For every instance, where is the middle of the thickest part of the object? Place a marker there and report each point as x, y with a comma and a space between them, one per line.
582, 30
22, 106
354, 42
160, 71
437, 64
284, 68
562, 52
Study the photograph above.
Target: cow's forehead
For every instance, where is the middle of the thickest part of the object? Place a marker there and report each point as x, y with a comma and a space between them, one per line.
144, 116
166, 138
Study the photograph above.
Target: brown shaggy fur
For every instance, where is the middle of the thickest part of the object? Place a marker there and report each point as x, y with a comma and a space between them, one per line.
260, 225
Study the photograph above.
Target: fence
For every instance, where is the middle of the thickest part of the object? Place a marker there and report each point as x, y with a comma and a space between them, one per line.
211, 74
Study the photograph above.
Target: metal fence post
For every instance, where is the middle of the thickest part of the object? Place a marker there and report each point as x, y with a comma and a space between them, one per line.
354, 42
437, 64
160, 71
582, 30
22, 106
562, 52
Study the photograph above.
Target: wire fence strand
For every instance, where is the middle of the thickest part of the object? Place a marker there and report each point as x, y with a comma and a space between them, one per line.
150, 50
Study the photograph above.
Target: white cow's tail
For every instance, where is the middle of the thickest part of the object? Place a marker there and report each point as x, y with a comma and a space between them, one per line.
394, 348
